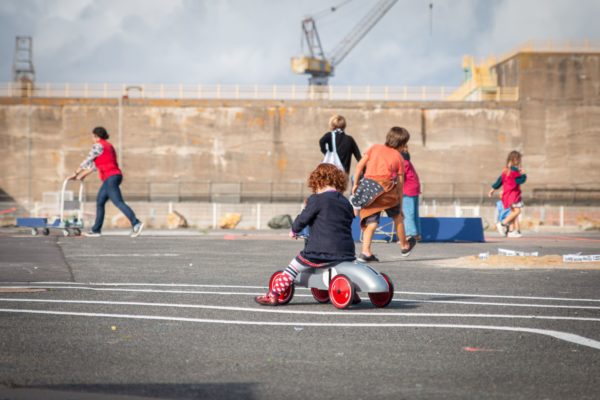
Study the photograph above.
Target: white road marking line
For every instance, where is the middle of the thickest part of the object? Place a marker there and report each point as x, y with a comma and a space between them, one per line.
297, 312
476, 303
565, 336
138, 284
482, 303
500, 296
264, 287
125, 255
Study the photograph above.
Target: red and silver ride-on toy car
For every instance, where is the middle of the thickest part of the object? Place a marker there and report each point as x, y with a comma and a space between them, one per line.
339, 284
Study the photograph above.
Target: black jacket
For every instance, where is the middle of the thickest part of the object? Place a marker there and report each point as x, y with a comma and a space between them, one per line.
329, 216
345, 146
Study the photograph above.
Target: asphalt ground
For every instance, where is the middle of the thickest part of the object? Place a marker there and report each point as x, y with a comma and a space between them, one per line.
173, 317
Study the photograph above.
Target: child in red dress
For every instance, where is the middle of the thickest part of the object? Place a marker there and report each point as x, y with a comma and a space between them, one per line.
510, 180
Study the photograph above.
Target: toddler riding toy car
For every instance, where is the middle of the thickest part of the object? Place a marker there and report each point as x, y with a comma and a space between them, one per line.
339, 284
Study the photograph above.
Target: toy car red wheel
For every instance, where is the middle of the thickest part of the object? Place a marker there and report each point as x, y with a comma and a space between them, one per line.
382, 299
322, 296
341, 291
286, 296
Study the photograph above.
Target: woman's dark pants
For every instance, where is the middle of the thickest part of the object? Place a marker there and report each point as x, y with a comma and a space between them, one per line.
110, 190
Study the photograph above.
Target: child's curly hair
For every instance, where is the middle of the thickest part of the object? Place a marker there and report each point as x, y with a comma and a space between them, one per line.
327, 175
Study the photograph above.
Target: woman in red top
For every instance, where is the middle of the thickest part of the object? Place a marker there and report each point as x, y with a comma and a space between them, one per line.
510, 180
103, 157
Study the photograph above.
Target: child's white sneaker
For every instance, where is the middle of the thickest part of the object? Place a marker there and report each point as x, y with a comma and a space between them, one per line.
503, 230
514, 234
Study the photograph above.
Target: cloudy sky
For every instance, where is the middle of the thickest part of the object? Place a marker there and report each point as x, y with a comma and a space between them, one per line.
251, 41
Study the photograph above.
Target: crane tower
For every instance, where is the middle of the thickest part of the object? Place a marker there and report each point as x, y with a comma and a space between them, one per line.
23, 60
321, 66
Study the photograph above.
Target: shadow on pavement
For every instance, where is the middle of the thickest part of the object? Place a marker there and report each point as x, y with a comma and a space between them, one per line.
230, 390
402, 259
364, 305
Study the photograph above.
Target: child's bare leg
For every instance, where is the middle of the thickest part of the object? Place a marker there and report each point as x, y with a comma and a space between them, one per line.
399, 222
367, 238
514, 213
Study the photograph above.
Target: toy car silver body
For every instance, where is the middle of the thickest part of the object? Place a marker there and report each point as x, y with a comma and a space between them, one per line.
340, 283
364, 278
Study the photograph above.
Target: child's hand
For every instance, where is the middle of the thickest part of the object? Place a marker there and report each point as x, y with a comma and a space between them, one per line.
491, 193
354, 187
293, 235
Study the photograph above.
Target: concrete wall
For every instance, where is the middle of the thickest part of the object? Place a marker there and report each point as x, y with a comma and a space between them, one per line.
552, 76
244, 141
462, 143
560, 113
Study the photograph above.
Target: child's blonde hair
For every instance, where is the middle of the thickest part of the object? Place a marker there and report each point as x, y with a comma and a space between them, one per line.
514, 158
337, 122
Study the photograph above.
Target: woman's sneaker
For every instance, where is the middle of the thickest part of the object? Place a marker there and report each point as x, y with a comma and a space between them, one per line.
365, 258
91, 234
514, 234
137, 229
412, 242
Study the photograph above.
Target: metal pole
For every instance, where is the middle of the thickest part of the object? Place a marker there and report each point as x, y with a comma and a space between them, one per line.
120, 131
214, 216
562, 216
257, 216
29, 146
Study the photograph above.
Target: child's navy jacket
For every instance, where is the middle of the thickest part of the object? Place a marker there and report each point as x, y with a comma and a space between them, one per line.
329, 215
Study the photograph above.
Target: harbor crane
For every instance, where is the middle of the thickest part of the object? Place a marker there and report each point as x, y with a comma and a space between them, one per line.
321, 66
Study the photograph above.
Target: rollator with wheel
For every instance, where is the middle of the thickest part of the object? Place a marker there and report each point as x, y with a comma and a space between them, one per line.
340, 283
67, 225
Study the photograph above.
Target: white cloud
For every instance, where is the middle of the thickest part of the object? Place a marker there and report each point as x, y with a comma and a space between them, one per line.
559, 21
251, 41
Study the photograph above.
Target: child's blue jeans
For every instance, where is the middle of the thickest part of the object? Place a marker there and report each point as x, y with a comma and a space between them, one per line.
410, 209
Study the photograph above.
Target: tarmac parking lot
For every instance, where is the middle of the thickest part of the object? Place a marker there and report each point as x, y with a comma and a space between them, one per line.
173, 317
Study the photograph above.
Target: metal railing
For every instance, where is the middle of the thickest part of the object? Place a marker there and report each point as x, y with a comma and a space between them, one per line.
272, 192
235, 92
297, 191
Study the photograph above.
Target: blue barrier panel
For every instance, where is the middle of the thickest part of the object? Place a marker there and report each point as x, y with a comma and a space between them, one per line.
432, 230
32, 222
385, 232
452, 230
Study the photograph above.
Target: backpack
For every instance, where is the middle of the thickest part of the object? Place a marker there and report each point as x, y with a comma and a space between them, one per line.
331, 156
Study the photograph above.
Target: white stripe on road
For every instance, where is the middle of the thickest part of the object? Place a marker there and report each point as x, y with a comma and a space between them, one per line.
137, 284
476, 303
567, 337
264, 287
500, 296
125, 255
298, 312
